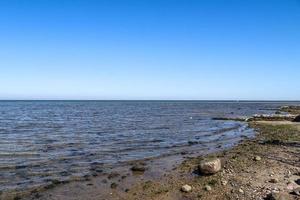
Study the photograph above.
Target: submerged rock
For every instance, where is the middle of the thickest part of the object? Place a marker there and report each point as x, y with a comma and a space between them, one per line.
186, 188
210, 166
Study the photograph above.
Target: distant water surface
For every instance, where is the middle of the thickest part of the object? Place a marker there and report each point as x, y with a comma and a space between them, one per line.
44, 140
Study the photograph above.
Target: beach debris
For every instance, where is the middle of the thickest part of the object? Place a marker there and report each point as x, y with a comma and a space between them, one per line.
208, 188
210, 166
296, 191
186, 188
297, 119
257, 158
278, 196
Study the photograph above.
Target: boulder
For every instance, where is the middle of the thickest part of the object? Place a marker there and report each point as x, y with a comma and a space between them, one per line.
210, 166
186, 188
297, 119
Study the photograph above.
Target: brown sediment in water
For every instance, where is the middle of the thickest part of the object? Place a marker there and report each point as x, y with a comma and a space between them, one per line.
243, 176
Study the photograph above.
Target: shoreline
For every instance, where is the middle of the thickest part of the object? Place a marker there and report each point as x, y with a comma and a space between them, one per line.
245, 178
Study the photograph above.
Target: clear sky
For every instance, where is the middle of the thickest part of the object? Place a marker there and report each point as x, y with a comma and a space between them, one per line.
150, 49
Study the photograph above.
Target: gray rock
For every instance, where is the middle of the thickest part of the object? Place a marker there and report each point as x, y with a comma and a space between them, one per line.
138, 168
257, 158
186, 188
210, 166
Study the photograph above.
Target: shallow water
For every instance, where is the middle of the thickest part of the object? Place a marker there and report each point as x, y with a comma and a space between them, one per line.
46, 140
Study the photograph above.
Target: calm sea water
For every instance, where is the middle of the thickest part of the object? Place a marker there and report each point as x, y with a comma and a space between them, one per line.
43, 140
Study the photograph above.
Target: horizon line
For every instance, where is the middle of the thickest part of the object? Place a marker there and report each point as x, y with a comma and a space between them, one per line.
207, 100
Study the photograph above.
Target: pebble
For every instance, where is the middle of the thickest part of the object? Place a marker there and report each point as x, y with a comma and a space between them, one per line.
207, 188
186, 188
257, 158
241, 191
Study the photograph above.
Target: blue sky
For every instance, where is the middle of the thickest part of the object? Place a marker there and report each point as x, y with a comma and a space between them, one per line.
150, 49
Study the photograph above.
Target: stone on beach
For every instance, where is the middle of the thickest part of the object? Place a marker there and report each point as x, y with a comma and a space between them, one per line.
257, 158
138, 168
207, 188
278, 196
297, 119
210, 166
186, 188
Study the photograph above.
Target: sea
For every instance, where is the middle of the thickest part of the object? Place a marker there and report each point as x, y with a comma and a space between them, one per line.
45, 140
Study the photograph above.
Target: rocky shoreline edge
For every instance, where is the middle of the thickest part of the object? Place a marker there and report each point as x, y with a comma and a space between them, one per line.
266, 167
